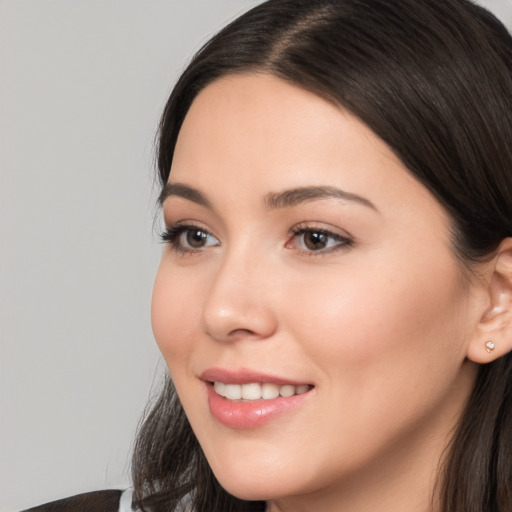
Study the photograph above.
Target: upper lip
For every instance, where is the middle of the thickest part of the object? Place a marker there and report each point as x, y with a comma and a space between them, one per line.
245, 376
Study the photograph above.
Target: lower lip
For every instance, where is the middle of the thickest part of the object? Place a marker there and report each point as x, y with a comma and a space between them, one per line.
250, 414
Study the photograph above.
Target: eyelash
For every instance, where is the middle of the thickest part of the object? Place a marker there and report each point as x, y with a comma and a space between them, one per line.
171, 235
342, 242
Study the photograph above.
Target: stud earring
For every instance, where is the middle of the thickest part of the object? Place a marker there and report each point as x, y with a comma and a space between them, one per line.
489, 346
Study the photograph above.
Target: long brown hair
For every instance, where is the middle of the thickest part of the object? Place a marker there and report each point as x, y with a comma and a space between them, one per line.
433, 79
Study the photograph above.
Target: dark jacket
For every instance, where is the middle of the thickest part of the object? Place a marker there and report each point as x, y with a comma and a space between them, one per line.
97, 501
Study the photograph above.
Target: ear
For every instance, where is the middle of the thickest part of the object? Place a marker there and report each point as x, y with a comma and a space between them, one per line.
493, 336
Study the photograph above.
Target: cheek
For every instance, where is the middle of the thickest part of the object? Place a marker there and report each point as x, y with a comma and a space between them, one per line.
173, 317
361, 320
384, 353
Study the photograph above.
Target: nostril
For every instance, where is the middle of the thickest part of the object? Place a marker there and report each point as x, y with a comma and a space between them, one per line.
250, 323
243, 333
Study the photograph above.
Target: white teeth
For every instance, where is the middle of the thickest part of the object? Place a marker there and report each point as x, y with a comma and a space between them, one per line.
251, 391
233, 391
302, 389
220, 388
287, 391
255, 391
269, 391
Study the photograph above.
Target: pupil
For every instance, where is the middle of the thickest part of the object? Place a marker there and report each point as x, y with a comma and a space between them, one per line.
196, 238
315, 240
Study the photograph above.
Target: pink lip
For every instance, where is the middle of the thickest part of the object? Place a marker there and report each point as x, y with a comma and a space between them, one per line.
250, 414
245, 377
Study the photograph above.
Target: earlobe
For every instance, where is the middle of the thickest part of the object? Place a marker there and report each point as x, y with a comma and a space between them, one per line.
493, 336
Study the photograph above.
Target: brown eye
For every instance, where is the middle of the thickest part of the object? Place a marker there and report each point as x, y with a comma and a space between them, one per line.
319, 241
192, 239
315, 240
195, 238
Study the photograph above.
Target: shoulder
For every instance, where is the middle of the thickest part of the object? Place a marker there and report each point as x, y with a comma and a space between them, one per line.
111, 500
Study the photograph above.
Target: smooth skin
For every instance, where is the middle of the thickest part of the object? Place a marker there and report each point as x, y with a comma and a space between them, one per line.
360, 295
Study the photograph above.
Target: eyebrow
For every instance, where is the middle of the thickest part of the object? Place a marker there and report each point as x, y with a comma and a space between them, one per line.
273, 200
300, 195
184, 191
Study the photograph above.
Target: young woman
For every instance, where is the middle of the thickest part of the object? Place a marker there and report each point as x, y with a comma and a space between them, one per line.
334, 300
334, 297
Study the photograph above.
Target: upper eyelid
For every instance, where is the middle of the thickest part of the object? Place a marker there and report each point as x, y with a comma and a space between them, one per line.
320, 227
187, 226
184, 224
300, 226
327, 232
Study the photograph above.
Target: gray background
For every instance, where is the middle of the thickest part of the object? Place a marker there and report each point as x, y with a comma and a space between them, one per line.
82, 84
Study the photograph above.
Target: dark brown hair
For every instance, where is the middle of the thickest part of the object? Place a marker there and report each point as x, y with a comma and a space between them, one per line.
433, 79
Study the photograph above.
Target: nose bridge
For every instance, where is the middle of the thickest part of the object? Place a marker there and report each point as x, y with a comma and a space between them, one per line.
238, 304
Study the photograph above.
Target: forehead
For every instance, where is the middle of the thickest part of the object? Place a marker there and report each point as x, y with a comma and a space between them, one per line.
255, 122
258, 129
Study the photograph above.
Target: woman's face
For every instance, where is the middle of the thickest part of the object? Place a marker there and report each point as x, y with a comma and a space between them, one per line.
303, 259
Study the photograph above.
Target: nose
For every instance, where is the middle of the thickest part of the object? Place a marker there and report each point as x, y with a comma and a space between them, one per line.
239, 304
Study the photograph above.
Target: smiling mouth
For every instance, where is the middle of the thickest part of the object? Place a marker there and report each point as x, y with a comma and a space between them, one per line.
256, 391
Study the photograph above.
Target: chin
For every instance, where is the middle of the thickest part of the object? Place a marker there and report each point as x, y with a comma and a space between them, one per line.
260, 482
253, 489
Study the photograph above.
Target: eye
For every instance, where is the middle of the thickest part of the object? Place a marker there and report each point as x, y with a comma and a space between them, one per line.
188, 238
311, 239
195, 238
